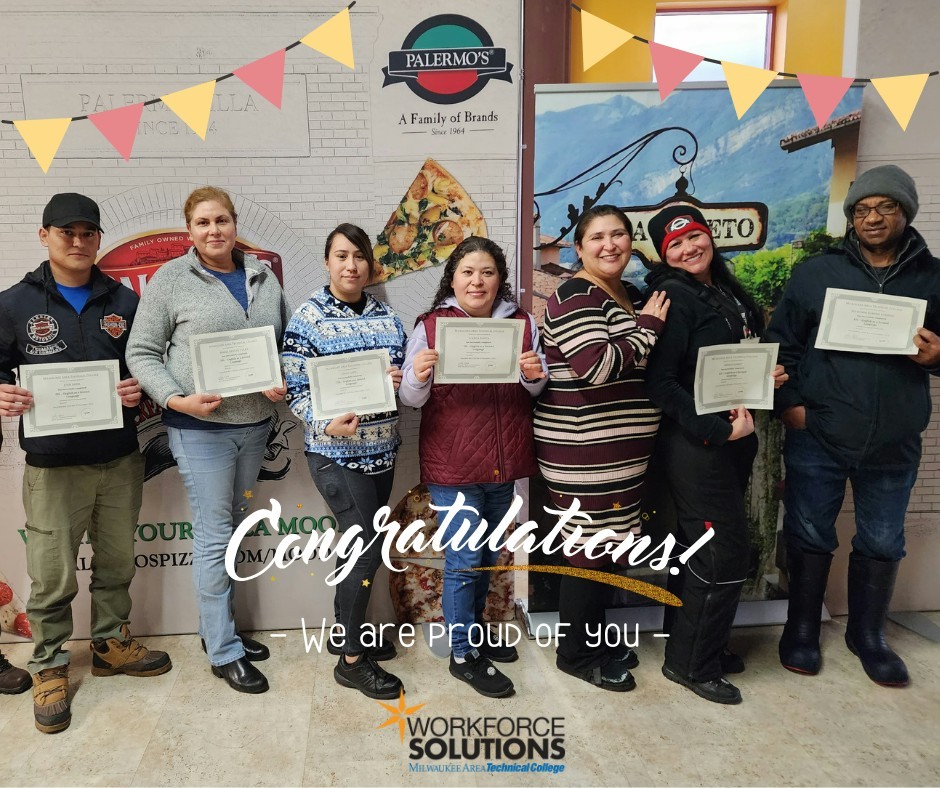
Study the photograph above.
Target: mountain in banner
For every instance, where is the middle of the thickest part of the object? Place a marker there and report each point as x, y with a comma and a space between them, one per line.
736, 160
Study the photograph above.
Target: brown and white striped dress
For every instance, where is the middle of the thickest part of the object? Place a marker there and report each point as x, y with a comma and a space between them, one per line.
594, 426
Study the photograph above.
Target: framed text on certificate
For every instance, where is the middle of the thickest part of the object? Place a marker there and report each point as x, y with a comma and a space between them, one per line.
72, 397
860, 322
235, 362
478, 349
356, 382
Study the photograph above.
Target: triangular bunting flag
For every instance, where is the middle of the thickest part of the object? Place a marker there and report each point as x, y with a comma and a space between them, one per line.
119, 127
901, 94
671, 66
43, 138
334, 39
823, 94
745, 84
193, 106
599, 38
265, 76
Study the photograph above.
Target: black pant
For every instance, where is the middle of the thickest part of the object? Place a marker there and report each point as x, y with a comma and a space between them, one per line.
582, 605
707, 484
354, 498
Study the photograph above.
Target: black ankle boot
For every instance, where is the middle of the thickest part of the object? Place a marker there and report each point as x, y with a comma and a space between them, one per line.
799, 644
871, 584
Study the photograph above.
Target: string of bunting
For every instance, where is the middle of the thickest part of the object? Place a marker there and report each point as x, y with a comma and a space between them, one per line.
599, 38
192, 105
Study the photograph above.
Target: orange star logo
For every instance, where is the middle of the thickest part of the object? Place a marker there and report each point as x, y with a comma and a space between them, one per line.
399, 713
616, 504
365, 583
248, 494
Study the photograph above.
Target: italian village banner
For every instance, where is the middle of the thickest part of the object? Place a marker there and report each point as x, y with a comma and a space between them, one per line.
328, 115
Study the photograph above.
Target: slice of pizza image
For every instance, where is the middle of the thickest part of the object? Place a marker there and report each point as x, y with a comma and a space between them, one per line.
12, 611
434, 216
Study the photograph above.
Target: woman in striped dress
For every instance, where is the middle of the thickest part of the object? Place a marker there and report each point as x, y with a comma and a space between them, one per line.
594, 426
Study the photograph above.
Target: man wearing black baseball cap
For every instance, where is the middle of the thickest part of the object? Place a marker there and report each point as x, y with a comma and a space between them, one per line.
856, 416
75, 483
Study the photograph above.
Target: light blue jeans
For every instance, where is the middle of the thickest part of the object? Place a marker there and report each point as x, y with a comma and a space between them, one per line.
464, 594
220, 471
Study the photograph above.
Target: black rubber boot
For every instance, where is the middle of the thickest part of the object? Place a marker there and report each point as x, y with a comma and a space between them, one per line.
799, 644
871, 584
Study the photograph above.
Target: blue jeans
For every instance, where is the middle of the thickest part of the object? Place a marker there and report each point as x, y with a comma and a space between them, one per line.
815, 489
218, 468
464, 594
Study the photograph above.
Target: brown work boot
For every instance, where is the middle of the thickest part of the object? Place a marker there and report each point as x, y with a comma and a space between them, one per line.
51, 699
111, 656
13, 680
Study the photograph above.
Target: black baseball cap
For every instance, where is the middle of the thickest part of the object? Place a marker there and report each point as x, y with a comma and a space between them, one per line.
69, 207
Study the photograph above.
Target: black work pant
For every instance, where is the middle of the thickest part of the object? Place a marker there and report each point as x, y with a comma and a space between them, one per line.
707, 484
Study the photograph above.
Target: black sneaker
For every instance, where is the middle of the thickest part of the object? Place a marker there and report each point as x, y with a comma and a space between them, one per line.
718, 690
499, 652
625, 655
367, 677
614, 676
381, 653
479, 673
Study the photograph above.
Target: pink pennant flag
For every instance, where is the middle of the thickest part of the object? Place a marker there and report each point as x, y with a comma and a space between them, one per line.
119, 127
671, 66
823, 94
265, 76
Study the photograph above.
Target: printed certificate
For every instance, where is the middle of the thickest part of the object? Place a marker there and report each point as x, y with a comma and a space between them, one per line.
235, 362
72, 397
478, 349
869, 322
356, 382
729, 376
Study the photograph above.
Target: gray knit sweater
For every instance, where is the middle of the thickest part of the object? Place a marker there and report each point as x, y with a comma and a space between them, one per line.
183, 299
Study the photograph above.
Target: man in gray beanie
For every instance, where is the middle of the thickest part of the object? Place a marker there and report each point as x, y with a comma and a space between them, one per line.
854, 416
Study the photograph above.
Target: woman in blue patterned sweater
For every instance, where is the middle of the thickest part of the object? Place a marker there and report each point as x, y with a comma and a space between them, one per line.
351, 458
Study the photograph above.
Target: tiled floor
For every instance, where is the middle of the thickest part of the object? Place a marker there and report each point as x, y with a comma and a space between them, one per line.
189, 728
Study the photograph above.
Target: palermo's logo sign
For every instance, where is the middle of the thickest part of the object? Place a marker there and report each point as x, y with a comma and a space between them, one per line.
447, 59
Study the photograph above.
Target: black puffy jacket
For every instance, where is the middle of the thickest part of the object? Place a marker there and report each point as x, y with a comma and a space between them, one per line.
38, 326
856, 403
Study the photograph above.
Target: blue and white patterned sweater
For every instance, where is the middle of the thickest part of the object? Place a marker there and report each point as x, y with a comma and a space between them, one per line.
324, 326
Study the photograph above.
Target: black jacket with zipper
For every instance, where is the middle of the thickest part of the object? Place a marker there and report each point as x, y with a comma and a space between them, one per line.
38, 326
856, 403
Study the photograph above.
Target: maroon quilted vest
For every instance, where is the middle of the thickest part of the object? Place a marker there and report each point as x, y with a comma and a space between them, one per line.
476, 433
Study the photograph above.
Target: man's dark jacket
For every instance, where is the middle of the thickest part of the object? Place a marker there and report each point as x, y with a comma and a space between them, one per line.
38, 326
857, 404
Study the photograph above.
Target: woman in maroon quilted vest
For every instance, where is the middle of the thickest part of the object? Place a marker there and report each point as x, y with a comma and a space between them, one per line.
476, 439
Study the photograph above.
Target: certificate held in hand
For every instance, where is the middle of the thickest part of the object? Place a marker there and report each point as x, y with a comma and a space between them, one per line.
355, 382
72, 397
860, 322
478, 349
235, 362
729, 376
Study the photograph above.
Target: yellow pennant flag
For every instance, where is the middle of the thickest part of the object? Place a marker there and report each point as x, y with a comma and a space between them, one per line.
334, 39
901, 94
745, 84
599, 38
43, 138
193, 106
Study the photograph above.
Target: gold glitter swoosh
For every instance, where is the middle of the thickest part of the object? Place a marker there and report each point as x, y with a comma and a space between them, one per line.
627, 583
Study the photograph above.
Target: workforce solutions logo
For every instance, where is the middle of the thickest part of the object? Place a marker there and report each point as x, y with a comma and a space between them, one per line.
493, 745
447, 59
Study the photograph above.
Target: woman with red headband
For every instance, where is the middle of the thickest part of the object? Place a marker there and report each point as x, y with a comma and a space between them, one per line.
707, 457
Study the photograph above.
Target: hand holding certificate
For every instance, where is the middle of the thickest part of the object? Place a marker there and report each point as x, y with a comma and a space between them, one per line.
235, 362
351, 383
860, 322
72, 397
478, 350
731, 376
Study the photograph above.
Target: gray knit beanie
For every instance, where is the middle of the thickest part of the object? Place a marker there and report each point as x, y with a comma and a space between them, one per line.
889, 180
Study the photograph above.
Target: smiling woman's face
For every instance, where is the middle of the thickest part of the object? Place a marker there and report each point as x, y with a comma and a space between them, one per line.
692, 252
476, 283
605, 248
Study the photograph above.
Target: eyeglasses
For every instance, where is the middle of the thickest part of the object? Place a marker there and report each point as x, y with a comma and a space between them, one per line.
883, 209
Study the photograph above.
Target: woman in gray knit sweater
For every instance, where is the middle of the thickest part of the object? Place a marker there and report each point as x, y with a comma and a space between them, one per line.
218, 444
